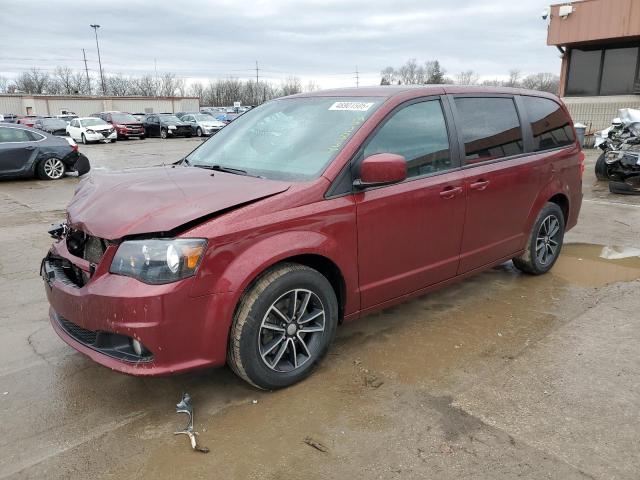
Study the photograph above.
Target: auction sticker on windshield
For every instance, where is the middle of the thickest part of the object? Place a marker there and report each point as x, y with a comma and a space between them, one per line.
351, 106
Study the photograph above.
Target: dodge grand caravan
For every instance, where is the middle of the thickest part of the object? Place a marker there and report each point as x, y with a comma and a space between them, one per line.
306, 212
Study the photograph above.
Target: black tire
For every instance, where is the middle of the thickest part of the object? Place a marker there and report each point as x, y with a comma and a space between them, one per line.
142, 137
540, 254
198, 132
84, 140
163, 133
51, 168
253, 337
601, 168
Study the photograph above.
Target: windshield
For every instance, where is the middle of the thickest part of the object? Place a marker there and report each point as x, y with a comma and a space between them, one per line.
170, 119
54, 123
123, 118
93, 122
288, 139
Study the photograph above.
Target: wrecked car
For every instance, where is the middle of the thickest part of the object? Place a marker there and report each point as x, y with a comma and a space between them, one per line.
306, 212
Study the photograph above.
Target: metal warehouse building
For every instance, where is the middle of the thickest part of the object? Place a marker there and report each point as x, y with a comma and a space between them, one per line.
600, 45
85, 105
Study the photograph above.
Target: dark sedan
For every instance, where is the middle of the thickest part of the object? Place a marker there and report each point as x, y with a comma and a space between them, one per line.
54, 126
25, 152
165, 125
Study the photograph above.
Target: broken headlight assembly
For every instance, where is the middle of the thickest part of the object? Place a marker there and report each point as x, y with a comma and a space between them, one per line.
158, 261
611, 157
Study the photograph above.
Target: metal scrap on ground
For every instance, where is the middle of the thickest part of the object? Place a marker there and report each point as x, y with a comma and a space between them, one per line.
184, 406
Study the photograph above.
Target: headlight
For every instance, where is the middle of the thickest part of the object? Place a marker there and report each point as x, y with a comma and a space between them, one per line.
90, 131
157, 261
611, 157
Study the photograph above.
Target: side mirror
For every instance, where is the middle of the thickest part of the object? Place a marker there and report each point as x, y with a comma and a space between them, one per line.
381, 169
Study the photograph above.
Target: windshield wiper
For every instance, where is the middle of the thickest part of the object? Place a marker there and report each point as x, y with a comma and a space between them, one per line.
186, 162
220, 168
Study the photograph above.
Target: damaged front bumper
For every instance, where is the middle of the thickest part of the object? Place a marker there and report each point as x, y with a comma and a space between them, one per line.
129, 326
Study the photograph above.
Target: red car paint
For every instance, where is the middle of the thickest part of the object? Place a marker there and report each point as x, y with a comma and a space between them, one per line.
409, 238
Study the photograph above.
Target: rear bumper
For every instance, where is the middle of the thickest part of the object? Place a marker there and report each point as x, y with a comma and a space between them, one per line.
180, 332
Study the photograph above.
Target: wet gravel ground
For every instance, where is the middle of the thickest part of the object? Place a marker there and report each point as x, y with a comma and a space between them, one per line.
500, 376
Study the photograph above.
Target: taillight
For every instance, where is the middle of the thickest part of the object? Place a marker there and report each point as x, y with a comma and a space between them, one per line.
581, 160
74, 147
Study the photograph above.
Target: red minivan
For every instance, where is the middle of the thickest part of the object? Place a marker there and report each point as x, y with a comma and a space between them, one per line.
306, 212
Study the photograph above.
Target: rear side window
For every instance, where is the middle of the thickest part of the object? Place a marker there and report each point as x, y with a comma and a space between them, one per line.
550, 125
418, 132
14, 135
490, 128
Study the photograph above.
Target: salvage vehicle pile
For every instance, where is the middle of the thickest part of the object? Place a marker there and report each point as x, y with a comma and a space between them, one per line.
620, 161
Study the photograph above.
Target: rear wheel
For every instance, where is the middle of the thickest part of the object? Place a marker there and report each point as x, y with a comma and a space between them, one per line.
283, 327
545, 242
51, 169
601, 168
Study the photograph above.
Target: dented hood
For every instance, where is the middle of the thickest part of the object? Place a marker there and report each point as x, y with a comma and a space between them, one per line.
159, 199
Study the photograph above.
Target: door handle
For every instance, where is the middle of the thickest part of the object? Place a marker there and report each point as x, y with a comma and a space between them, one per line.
29, 147
450, 192
479, 185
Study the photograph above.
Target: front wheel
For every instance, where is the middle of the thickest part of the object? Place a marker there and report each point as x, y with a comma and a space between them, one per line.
163, 133
283, 327
51, 169
545, 242
198, 132
84, 140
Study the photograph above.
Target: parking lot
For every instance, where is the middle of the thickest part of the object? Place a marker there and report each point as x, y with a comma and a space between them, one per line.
500, 376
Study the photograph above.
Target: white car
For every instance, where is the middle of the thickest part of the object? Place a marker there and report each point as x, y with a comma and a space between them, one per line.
91, 129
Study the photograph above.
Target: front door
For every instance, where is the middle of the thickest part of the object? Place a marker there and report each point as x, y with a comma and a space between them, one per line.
409, 233
502, 182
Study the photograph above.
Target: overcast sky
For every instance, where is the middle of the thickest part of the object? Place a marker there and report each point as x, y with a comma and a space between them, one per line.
322, 40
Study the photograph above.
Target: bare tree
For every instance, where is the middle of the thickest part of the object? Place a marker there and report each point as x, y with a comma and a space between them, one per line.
145, 86
197, 90
388, 76
546, 82
514, 79
63, 76
468, 77
291, 86
4, 84
311, 86
33, 81
119, 85
411, 73
435, 74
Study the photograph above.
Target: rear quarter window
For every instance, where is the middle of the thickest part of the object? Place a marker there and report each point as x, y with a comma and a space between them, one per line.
550, 125
490, 128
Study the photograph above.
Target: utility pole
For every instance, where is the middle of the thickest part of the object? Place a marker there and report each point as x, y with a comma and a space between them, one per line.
86, 69
257, 70
95, 30
157, 83
357, 77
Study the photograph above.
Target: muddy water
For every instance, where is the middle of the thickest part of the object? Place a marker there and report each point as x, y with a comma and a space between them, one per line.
588, 265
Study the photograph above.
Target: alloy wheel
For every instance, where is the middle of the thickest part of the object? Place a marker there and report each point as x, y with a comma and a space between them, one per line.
53, 168
548, 240
291, 330
163, 134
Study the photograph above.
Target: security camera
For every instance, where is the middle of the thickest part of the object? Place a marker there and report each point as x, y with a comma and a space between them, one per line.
545, 14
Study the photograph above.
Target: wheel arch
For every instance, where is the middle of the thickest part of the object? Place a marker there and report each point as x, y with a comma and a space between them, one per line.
562, 201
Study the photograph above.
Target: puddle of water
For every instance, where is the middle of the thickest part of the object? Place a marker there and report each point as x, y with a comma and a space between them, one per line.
597, 265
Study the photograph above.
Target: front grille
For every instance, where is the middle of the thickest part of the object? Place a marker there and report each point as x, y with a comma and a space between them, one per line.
65, 272
86, 246
84, 336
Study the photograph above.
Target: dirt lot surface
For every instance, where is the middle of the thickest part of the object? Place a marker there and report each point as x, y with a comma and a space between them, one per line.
500, 376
